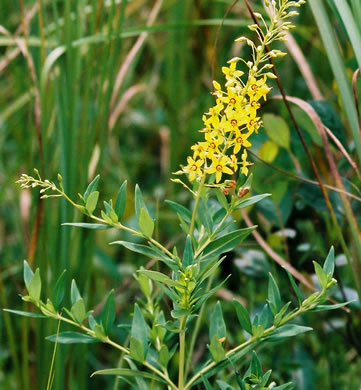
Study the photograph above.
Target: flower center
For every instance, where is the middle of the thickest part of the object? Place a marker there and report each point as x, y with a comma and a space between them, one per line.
232, 101
194, 167
234, 122
212, 145
239, 140
219, 168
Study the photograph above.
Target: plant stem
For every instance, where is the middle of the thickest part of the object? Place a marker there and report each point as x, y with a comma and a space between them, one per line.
182, 337
198, 197
253, 339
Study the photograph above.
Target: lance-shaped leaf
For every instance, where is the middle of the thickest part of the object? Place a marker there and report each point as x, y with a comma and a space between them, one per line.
329, 265
331, 307
159, 277
287, 330
321, 275
226, 243
121, 200
74, 292
85, 225
256, 367
188, 253
25, 313
108, 312
164, 356
217, 325
91, 187
91, 202
35, 287
251, 200
146, 223
295, 287
78, 311
205, 216
139, 336
28, 274
274, 296
243, 316
127, 373
72, 338
59, 290
206, 383
138, 200
216, 349
221, 198
181, 210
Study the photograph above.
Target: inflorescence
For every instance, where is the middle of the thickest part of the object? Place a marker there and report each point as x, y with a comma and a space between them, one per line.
230, 123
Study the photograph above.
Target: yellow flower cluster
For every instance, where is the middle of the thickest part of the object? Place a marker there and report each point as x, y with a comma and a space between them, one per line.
230, 123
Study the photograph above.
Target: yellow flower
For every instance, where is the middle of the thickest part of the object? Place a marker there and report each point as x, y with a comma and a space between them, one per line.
232, 75
235, 120
234, 162
245, 163
253, 123
219, 166
240, 140
199, 151
212, 143
258, 88
193, 168
233, 100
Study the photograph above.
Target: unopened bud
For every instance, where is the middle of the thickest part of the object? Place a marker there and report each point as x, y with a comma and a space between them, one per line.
242, 192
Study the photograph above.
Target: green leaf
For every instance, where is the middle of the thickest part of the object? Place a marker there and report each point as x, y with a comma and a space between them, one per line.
216, 349
206, 383
59, 290
72, 338
251, 200
28, 274
274, 296
329, 266
78, 311
159, 277
147, 251
74, 292
95, 226
277, 130
217, 326
91, 202
331, 307
287, 330
136, 349
35, 287
295, 287
126, 372
179, 312
285, 386
221, 198
108, 312
139, 331
109, 211
91, 187
181, 210
121, 200
256, 368
243, 316
205, 216
188, 253
268, 151
146, 223
139, 202
204, 297
25, 313
321, 275
226, 243
164, 356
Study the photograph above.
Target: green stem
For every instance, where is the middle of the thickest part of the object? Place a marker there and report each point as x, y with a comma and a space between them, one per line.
196, 203
182, 337
107, 340
253, 339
